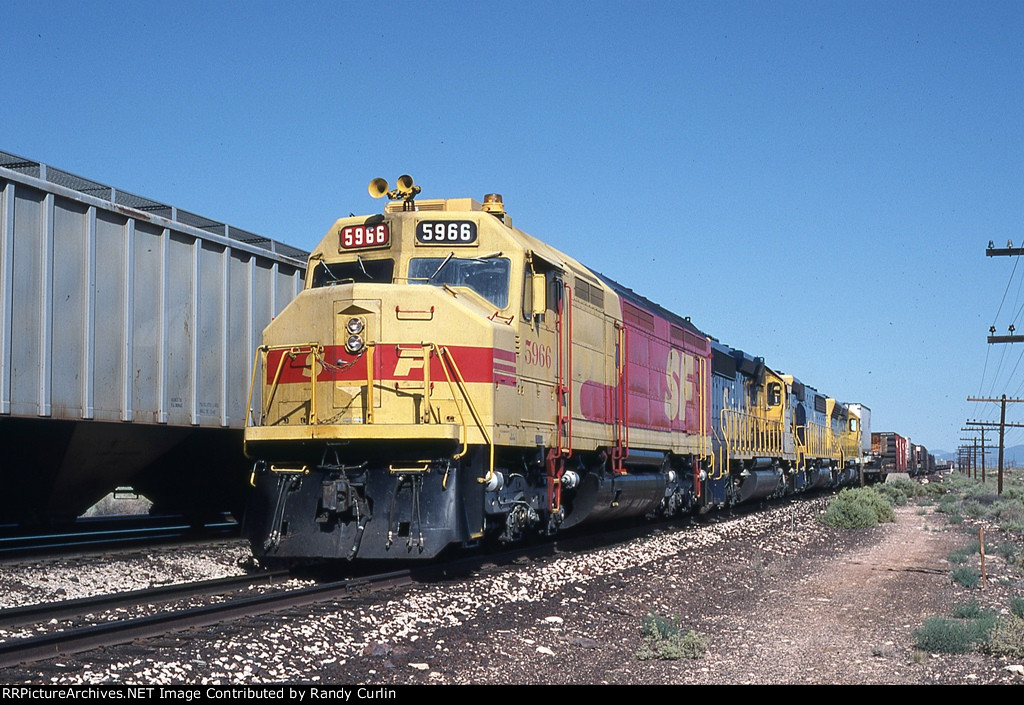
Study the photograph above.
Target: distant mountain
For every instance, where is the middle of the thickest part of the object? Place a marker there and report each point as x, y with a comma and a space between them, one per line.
1011, 455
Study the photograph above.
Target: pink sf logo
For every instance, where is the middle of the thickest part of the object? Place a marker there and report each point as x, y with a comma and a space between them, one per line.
678, 389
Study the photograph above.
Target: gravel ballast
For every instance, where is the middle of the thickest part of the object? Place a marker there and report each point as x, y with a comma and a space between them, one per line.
778, 598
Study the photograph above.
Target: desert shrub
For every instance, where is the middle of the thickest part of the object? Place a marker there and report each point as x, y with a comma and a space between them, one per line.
971, 627
960, 555
982, 493
1008, 551
658, 627
943, 635
1013, 492
1017, 606
907, 486
966, 576
664, 639
1007, 637
933, 489
981, 627
973, 508
1009, 513
893, 493
858, 508
975, 547
849, 515
971, 610
949, 505
958, 483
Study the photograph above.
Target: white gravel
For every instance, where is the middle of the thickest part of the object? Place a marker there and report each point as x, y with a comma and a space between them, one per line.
55, 579
306, 647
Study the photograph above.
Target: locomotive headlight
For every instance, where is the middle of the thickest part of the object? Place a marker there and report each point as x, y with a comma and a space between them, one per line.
354, 326
354, 344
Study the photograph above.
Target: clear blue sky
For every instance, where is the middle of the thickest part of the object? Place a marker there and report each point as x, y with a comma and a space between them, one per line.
813, 182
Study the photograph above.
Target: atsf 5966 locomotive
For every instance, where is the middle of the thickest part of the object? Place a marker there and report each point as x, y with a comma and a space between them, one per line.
445, 377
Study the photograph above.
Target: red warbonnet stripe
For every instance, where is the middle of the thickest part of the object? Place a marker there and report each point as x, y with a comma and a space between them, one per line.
476, 365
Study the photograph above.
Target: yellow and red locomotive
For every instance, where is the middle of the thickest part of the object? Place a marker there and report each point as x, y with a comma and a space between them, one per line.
445, 377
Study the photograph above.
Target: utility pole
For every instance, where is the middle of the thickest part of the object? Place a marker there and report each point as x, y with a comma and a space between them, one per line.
982, 425
1008, 251
1002, 401
972, 456
963, 460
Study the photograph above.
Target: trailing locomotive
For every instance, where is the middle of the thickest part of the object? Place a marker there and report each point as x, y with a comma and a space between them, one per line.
445, 378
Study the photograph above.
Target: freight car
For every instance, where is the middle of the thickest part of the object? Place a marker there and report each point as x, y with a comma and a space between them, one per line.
445, 377
126, 332
923, 462
894, 453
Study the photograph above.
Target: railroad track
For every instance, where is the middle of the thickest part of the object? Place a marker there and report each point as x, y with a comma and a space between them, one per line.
77, 639
111, 532
80, 639
80, 607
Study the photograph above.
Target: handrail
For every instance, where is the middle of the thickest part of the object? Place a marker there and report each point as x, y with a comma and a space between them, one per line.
315, 350
748, 433
704, 414
252, 387
621, 401
368, 412
819, 441
702, 401
453, 376
463, 426
444, 352
562, 392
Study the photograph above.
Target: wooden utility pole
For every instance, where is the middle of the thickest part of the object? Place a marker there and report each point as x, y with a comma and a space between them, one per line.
984, 451
972, 456
1002, 401
964, 460
1008, 251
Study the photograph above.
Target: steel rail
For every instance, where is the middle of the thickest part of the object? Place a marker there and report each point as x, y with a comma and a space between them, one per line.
109, 533
28, 650
66, 609
77, 640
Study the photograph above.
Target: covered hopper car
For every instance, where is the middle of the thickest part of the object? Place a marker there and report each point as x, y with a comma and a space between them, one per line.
126, 334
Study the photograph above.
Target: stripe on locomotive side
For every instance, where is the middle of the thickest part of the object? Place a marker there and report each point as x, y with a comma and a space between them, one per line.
392, 363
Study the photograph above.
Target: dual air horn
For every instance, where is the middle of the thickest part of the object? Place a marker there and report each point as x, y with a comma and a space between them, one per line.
405, 190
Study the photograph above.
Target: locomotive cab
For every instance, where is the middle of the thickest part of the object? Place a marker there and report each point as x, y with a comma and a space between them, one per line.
380, 393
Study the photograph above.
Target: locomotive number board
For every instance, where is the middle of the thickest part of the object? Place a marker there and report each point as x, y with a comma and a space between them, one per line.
446, 232
354, 237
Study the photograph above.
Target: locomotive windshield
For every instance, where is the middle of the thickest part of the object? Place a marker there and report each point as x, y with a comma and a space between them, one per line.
376, 271
487, 277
